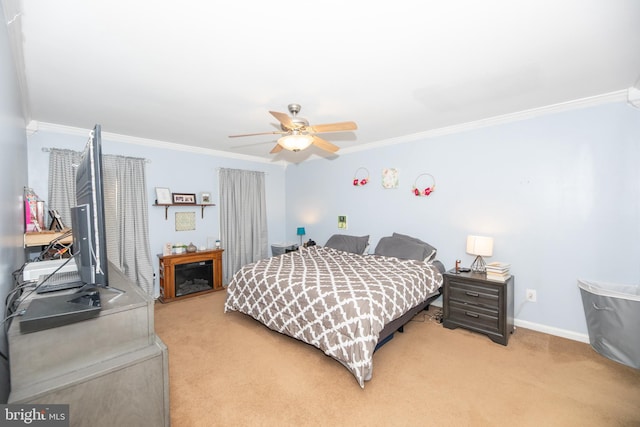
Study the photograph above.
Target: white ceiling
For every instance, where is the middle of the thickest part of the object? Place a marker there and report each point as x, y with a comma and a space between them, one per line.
194, 71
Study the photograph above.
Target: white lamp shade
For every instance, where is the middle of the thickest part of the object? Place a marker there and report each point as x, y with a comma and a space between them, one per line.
295, 142
480, 245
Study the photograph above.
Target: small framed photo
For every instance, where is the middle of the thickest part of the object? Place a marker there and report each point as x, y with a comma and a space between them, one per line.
205, 198
390, 178
163, 196
184, 198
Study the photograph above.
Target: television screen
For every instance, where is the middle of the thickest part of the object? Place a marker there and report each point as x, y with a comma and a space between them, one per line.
89, 220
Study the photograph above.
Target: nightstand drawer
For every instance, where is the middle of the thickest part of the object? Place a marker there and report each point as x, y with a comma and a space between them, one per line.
472, 294
473, 316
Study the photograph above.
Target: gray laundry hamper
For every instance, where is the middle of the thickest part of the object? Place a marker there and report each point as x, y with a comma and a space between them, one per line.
613, 320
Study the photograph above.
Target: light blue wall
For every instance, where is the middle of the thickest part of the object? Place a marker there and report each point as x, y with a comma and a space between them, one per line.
13, 175
559, 194
181, 172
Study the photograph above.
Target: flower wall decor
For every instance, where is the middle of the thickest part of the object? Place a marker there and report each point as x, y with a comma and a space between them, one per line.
390, 178
359, 179
424, 191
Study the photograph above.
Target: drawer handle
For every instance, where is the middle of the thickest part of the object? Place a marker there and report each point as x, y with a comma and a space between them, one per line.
471, 314
473, 294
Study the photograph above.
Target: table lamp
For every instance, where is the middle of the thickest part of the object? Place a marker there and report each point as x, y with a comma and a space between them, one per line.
300, 232
479, 246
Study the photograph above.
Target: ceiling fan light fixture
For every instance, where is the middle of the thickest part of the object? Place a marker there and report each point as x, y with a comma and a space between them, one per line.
295, 142
298, 135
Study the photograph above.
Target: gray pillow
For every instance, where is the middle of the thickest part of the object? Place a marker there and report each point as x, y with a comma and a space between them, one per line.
401, 248
353, 244
440, 266
430, 250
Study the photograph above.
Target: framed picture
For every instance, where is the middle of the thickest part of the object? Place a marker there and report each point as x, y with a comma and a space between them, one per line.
183, 198
390, 178
163, 196
185, 221
205, 198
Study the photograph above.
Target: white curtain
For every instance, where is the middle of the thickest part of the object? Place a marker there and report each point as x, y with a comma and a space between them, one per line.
126, 215
243, 219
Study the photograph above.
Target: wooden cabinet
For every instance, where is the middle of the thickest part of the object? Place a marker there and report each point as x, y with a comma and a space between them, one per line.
472, 302
194, 269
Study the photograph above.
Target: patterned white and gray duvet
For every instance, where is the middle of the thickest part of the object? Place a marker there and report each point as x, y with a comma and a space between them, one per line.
334, 300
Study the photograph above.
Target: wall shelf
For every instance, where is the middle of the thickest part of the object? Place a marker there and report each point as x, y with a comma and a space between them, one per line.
43, 238
167, 206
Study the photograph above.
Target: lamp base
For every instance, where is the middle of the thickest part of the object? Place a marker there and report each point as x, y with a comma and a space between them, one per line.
479, 265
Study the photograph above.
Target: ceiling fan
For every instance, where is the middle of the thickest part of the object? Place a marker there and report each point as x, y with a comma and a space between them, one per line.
299, 135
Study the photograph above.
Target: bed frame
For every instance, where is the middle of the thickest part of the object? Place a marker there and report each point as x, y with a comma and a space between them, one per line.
397, 325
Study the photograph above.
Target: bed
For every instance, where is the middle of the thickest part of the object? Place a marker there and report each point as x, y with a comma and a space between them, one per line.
342, 302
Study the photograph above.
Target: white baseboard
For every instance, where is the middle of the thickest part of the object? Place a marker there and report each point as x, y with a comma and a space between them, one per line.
563, 333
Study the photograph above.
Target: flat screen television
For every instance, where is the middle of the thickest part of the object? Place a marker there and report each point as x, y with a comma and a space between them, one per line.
88, 218
89, 250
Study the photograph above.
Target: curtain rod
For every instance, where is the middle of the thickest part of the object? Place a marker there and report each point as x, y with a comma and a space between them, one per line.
48, 149
248, 170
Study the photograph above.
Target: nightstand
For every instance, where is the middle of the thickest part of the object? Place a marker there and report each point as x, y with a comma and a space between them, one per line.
472, 302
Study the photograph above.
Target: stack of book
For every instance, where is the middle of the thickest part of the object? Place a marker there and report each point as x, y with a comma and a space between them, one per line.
498, 271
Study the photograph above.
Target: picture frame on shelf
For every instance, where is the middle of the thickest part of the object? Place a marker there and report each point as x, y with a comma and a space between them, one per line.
163, 196
205, 198
183, 198
167, 249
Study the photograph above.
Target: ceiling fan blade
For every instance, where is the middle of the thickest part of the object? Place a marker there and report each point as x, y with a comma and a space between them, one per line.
333, 127
276, 149
259, 133
324, 144
283, 118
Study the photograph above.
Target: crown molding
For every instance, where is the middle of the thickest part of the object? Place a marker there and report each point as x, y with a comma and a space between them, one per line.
618, 96
35, 126
12, 10
633, 97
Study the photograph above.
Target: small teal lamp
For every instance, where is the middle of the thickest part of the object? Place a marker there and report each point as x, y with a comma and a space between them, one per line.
300, 232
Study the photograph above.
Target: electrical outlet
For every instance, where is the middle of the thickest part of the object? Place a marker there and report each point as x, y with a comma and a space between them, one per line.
531, 295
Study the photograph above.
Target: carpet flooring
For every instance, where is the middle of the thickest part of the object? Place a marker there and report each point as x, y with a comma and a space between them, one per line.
229, 370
